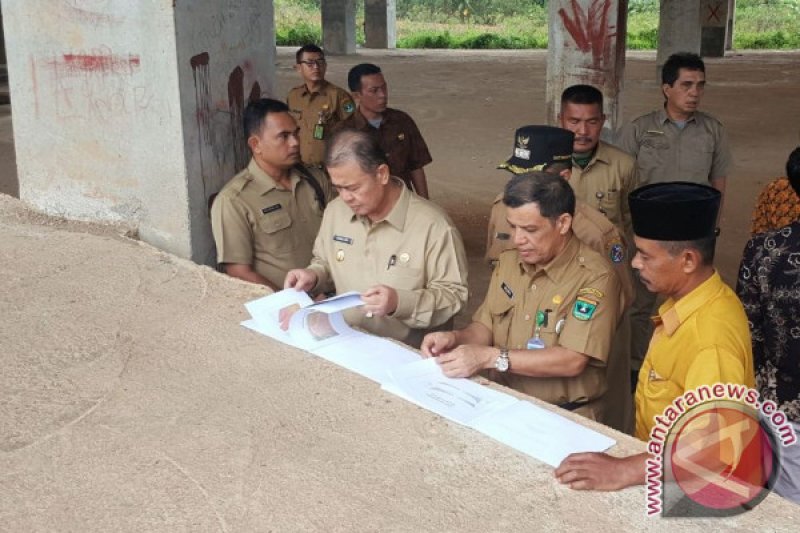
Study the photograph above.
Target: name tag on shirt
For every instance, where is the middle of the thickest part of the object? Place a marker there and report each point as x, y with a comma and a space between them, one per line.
271, 209
507, 290
340, 238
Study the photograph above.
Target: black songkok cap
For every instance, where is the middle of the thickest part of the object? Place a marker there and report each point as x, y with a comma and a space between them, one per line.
674, 211
536, 146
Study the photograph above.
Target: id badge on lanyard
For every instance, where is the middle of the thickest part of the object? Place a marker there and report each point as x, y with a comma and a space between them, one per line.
535, 342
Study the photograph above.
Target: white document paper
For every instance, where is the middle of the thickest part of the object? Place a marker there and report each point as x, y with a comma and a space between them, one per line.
321, 329
540, 433
459, 400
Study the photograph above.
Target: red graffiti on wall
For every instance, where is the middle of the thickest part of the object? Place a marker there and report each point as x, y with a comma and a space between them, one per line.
202, 94
591, 30
236, 106
713, 12
103, 63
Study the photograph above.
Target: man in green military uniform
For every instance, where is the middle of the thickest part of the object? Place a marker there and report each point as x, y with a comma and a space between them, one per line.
551, 310
265, 218
317, 105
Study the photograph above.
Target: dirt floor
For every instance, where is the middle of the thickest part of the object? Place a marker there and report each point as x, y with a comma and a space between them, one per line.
131, 399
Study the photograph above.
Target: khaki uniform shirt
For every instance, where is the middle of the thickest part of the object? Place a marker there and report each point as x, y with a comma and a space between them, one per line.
399, 138
580, 289
589, 226
605, 184
416, 250
698, 153
255, 223
331, 104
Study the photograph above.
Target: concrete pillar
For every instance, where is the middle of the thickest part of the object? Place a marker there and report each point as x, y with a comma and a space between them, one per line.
131, 111
587, 45
678, 30
339, 27
380, 24
713, 27
731, 24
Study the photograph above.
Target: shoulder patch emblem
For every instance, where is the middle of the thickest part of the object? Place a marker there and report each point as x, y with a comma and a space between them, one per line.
349, 107
584, 308
616, 253
507, 290
591, 291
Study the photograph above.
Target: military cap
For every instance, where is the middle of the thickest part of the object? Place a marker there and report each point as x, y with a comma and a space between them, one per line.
674, 211
538, 146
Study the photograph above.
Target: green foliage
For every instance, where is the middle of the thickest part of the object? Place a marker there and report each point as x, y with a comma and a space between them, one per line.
462, 24
298, 35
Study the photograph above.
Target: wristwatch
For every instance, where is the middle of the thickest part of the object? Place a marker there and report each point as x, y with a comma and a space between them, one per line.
502, 363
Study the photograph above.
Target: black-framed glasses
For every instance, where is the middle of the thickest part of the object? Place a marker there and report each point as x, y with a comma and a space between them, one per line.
311, 63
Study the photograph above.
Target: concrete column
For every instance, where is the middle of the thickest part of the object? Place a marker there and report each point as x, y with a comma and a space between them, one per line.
714, 26
131, 112
339, 27
587, 46
380, 24
678, 30
731, 24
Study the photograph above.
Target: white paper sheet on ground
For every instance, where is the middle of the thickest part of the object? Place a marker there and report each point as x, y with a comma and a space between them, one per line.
269, 330
372, 357
266, 310
312, 329
459, 400
540, 433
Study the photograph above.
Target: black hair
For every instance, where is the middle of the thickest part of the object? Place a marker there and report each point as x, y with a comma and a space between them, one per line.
705, 247
354, 145
550, 192
256, 113
793, 170
675, 62
310, 48
582, 94
359, 71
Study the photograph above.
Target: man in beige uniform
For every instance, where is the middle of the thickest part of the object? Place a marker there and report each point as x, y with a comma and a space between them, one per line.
317, 104
400, 251
265, 219
550, 149
602, 176
552, 307
675, 143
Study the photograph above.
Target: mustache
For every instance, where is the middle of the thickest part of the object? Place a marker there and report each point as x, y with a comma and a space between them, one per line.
584, 139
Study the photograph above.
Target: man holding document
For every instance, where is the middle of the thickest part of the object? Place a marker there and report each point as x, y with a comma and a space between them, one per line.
400, 251
552, 307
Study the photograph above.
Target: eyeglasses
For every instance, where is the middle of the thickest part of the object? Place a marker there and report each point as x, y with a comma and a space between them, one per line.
311, 63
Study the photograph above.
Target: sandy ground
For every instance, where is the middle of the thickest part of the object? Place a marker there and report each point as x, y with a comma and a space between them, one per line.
132, 400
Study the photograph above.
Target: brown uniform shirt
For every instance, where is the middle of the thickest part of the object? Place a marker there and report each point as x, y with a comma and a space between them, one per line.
256, 223
416, 250
399, 138
331, 104
580, 289
605, 184
589, 226
698, 153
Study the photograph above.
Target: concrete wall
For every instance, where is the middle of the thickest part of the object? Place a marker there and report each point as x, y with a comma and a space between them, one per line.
108, 122
225, 57
587, 46
678, 30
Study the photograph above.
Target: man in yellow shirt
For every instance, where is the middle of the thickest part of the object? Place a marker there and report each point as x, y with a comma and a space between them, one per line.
701, 335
